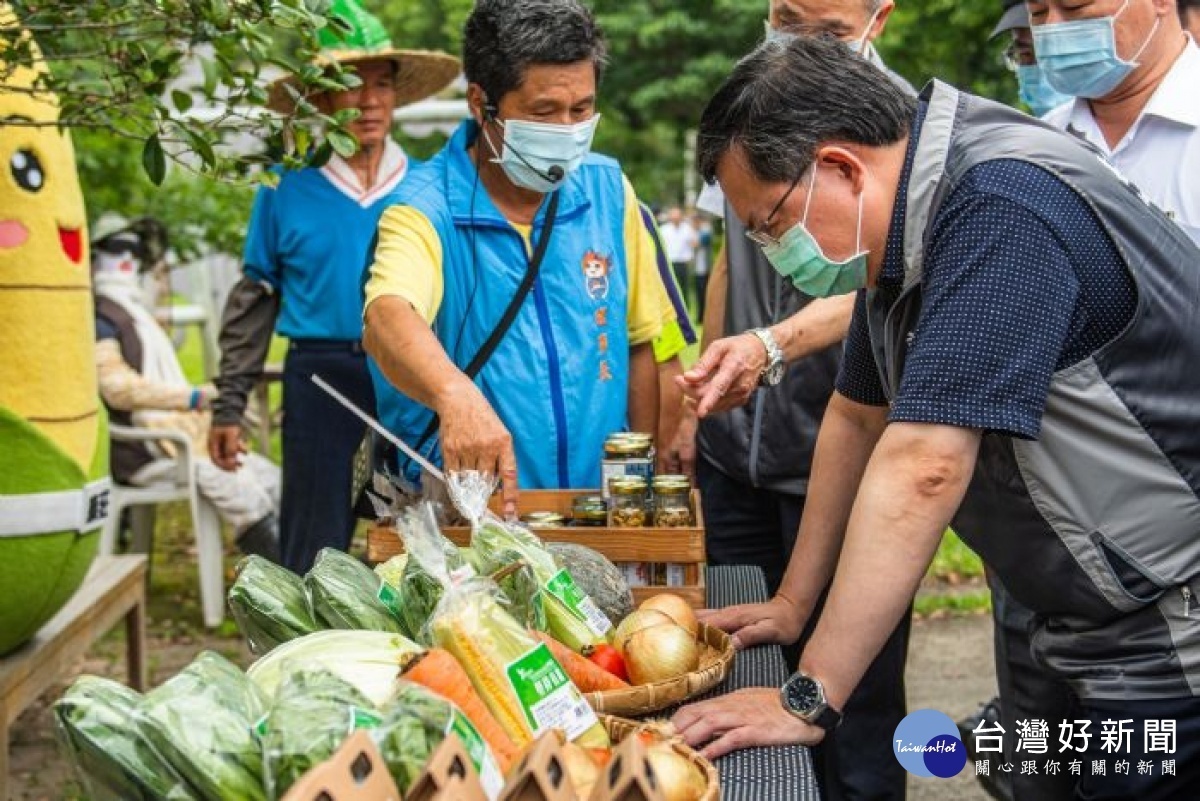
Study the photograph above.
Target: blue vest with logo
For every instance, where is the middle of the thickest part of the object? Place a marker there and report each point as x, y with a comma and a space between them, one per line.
559, 379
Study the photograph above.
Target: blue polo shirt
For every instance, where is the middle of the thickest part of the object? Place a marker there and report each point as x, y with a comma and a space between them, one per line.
1020, 281
309, 240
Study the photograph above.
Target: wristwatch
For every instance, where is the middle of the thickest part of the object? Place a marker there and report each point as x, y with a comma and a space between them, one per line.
804, 697
772, 374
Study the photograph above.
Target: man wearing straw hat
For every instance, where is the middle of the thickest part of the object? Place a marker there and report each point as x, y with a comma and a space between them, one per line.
305, 249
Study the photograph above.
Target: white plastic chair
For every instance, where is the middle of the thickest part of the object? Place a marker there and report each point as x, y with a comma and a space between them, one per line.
178, 485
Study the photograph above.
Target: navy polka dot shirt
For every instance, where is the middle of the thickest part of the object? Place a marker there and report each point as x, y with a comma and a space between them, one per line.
1021, 280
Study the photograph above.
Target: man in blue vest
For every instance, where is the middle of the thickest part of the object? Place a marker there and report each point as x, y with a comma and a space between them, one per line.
1020, 363
515, 200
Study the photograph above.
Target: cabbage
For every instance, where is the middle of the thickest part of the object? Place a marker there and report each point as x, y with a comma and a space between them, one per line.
368, 660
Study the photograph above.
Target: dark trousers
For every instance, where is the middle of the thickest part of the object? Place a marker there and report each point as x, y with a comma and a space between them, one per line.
748, 526
320, 439
701, 291
683, 277
1030, 691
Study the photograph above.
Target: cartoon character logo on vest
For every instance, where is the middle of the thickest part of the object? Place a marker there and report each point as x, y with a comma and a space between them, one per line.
595, 270
54, 457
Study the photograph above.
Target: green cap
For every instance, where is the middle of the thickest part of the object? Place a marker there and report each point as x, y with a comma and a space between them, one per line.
366, 32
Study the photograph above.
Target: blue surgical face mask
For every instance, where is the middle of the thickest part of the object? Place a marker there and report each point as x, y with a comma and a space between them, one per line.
798, 257
540, 156
1080, 58
1036, 91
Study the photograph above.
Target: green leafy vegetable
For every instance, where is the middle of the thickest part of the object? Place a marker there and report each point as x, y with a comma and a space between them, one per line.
270, 604
312, 714
345, 594
200, 723
95, 725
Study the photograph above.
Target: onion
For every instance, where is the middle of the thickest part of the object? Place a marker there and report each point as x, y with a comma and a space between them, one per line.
678, 778
582, 770
636, 622
660, 652
675, 608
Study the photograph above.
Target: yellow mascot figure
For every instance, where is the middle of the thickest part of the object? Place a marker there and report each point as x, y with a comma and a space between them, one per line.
53, 437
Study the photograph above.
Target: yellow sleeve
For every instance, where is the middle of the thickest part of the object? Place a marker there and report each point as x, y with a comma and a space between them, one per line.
408, 262
649, 307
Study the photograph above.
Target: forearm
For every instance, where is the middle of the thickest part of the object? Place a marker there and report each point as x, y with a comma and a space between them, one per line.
670, 401
409, 354
848, 434
127, 390
245, 338
913, 484
821, 323
643, 389
714, 302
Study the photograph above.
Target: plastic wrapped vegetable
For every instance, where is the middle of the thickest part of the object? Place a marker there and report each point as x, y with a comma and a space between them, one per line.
94, 720
346, 594
200, 722
572, 617
313, 712
416, 723
391, 570
518, 679
368, 660
270, 604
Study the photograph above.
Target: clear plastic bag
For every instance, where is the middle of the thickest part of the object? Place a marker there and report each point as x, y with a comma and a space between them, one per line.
346, 594
312, 714
270, 604
95, 724
518, 678
200, 722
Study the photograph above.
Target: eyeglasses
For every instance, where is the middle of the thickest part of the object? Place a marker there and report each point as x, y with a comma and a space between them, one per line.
759, 235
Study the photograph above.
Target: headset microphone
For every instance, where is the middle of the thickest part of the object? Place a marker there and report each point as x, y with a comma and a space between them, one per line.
555, 173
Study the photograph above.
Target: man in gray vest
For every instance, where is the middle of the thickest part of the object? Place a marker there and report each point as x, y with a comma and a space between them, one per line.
1021, 363
761, 387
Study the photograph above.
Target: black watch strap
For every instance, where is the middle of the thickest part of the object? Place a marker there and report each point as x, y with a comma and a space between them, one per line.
828, 719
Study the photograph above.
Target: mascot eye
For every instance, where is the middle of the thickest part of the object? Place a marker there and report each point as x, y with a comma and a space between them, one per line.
27, 170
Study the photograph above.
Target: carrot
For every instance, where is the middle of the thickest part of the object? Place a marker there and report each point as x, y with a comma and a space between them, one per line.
588, 676
439, 671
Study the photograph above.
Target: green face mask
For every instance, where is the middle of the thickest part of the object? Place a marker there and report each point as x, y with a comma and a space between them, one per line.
798, 257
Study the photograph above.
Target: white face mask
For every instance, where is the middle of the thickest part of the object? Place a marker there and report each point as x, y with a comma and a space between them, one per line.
540, 156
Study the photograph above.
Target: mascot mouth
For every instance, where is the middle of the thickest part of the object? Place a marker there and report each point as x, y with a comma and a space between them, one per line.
72, 243
13, 234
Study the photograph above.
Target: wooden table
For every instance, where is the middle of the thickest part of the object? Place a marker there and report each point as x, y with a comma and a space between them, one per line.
114, 588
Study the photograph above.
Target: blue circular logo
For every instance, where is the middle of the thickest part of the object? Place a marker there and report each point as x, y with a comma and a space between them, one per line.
926, 744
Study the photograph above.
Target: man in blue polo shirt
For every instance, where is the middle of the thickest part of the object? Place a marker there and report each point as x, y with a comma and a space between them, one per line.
1021, 362
517, 199
307, 242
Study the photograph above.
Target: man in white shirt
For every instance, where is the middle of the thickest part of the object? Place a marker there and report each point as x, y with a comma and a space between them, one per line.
1148, 124
680, 239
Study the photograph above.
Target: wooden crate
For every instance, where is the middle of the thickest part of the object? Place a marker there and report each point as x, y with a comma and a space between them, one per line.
680, 546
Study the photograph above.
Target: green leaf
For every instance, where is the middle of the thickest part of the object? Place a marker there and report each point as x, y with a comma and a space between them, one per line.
211, 75
154, 160
182, 100
344, 144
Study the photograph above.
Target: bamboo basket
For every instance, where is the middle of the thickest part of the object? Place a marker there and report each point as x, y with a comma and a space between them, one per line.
716, 660
619, 729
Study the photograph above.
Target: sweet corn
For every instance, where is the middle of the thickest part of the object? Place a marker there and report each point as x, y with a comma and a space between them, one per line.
484, 675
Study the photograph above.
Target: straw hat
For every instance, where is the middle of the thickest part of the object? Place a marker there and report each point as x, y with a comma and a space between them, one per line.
420, 73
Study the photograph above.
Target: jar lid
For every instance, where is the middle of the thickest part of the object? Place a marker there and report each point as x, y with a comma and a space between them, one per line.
543, 519
626, 448
630, 485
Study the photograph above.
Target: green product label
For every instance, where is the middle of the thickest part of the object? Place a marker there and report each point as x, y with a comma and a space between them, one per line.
363, 719
481, 756
260, 726
388, 596
547, 697
563, 587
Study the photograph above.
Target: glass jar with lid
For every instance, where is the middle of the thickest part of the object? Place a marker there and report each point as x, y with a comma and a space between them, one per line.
627, 502
672, 502
590, 511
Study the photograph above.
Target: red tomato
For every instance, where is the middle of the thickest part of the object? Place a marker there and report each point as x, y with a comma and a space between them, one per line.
609, 659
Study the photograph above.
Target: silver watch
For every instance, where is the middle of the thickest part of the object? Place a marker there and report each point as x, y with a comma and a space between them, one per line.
772, 374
